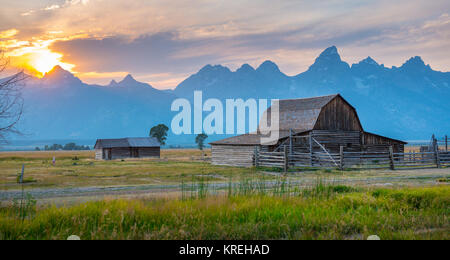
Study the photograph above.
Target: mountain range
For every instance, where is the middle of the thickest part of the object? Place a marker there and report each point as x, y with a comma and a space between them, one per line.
409, 102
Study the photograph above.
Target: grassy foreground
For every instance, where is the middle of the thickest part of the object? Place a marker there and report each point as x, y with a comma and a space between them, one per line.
344, 213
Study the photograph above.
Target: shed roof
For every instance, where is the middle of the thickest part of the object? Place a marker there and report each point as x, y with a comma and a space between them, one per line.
388, 138
127, 142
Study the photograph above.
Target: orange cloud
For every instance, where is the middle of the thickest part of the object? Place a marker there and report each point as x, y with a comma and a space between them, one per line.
8, 33
34, 55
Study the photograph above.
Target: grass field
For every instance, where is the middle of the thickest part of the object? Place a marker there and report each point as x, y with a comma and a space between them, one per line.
79, 169
322, 213
183, 196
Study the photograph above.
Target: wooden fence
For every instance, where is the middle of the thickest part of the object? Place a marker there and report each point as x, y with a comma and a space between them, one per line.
349, 160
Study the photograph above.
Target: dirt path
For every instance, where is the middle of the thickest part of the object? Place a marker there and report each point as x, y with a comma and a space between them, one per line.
380, 178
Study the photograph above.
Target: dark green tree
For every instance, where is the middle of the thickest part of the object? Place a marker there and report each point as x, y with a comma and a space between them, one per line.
160, 133
200, 140
70, 147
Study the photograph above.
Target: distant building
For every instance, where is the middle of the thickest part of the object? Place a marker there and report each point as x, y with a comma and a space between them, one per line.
307, 125
111, 149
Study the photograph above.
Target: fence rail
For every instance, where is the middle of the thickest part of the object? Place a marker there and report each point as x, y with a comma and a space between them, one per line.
346, 160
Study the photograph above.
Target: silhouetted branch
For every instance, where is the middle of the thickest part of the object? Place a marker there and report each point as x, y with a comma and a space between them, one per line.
11, 101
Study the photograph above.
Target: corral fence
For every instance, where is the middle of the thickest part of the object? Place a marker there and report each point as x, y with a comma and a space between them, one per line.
352, 160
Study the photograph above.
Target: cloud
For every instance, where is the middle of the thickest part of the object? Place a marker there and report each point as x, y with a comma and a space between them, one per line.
52, 7
8, 33
176, 38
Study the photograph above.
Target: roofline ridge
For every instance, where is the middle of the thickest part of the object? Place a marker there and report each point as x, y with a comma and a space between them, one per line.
333, 95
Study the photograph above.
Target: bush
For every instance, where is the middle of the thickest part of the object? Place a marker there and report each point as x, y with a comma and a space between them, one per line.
342, 189
25, 179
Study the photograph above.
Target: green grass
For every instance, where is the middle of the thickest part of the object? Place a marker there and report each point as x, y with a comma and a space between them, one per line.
324, 212
79, 169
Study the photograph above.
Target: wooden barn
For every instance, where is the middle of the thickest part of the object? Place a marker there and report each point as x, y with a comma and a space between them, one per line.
111, 149
319, 124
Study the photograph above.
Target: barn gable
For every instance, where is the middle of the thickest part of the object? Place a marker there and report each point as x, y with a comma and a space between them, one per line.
306, 114
338, 115
299, 114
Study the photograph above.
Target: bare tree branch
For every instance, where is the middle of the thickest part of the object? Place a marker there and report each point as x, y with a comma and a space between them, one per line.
11, 101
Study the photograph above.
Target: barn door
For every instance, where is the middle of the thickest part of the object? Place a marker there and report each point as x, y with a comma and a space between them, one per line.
136, 152
108, 154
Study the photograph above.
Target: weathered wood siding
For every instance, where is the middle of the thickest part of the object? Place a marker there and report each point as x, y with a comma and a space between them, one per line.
128, 152
120, 153
98, 154
338, 115
232, 155
149, 152
376, 143
333, 140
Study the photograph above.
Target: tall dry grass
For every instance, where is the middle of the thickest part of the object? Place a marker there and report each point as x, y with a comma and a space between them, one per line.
419, 213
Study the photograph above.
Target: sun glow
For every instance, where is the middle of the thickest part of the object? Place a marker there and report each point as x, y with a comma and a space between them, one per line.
34, 56
44, 61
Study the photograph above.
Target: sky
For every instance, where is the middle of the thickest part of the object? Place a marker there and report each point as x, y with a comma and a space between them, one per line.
163, 42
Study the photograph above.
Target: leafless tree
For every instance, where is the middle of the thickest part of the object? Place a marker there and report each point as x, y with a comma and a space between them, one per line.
11, 101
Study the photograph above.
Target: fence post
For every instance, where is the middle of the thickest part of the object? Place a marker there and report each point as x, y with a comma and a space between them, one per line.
391, 157
446, 144
311, 149
21, 175
436, 154
256, 156
286, 159
291, 143
341, 157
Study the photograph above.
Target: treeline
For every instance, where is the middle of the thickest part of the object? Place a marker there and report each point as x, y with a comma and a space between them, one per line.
66, 147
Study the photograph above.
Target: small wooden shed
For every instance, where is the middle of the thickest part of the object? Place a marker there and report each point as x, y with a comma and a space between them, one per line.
307, 125
123, 148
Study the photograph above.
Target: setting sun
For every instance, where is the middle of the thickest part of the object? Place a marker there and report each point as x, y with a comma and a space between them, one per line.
45, 60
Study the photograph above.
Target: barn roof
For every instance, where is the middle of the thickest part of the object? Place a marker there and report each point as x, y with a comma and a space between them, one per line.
127, 142
300, 115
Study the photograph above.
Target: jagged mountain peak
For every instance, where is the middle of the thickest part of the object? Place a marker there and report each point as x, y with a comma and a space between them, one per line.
59, 76
415, 60
57, 71
415, 64
367, 65
329, 60
245, 68
330, 51
213, 68
268, 66
369, 61
128, 79
112, 83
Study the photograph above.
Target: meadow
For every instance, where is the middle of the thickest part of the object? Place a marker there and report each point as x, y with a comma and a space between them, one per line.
183, 196
74, 169
321, 212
